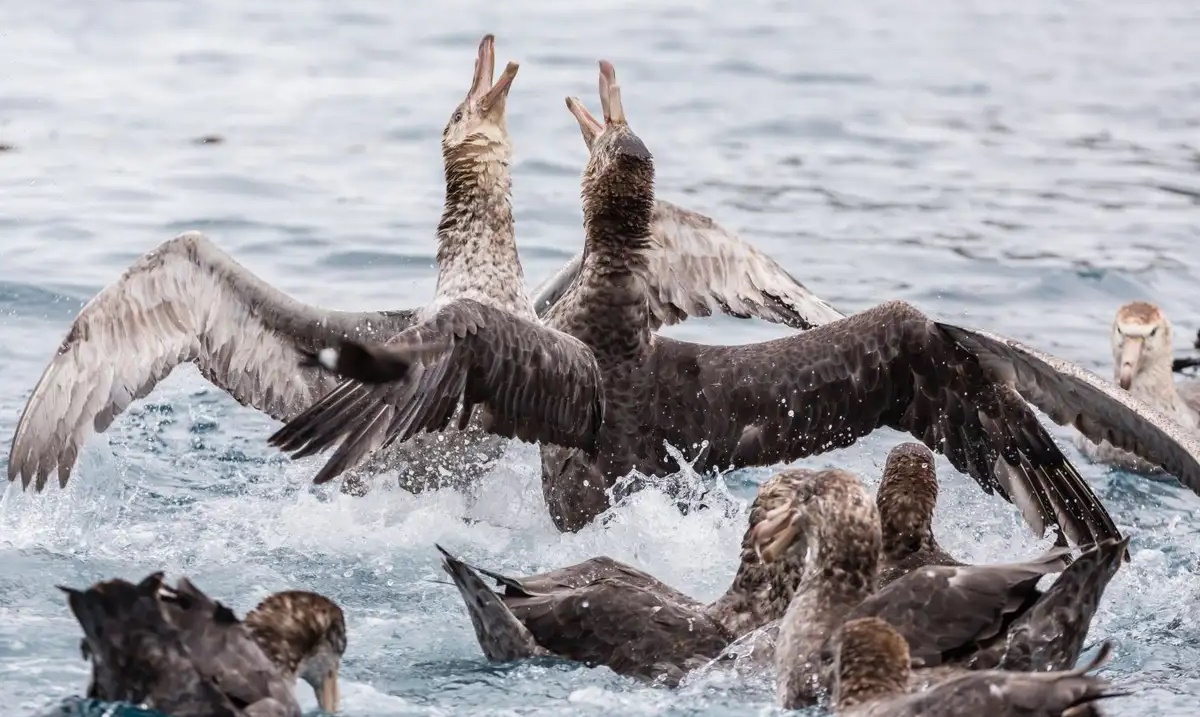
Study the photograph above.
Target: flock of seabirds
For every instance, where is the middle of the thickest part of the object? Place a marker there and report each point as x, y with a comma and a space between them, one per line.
847, 597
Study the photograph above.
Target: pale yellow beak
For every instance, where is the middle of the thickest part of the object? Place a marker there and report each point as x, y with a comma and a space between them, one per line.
1131, 353
775, 533
328, 696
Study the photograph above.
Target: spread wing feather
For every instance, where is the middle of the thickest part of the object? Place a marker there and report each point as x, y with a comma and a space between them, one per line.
186, 301
534, 383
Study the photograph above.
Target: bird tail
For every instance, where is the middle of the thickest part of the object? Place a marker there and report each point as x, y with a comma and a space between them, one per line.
107, 601
501, 635
1089, 689
1050, 635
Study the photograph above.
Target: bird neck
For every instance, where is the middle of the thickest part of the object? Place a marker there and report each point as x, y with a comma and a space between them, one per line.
1154, 383
477, 249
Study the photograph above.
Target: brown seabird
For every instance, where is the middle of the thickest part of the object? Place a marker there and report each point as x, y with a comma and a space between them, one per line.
187, 301
604, 612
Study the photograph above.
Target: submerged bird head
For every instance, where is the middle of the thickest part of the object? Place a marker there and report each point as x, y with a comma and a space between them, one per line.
1141, 341
618, 183
477, 134
831, 523
304, 634
872, 662
906, 498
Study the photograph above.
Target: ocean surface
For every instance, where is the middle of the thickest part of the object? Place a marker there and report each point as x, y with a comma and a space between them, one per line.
1024, 167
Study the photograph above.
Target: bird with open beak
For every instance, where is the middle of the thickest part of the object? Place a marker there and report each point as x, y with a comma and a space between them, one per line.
1144, 366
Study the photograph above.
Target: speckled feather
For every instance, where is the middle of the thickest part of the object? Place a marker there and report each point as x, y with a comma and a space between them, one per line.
290, 626
906, 499
698, 267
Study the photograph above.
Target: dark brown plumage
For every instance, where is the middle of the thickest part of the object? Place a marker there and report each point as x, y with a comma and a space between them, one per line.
906, 499
603, 612
959, 391
304, 635
751, 405
872, 677
953, 617
175, 651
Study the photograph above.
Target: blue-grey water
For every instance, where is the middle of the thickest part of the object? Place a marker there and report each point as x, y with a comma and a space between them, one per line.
1020, 166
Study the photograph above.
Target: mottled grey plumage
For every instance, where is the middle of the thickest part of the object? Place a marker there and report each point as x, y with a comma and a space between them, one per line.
697, 267
144, 655
304, 635
960, 392
184, 302
872, 677
603, 612
1143, 365
906, 498
953, 617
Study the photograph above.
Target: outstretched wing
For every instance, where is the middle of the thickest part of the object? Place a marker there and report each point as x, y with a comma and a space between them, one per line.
1072, 395
536, 383
782, 400
185, 301
697, 267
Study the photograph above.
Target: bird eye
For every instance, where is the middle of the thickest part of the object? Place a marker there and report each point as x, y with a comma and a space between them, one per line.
1154, 331
458, 116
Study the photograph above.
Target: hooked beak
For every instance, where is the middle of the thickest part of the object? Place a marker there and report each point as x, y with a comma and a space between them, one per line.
495, 97
488, 95
485, 66
328, 696
1131, 353
589, 126
775, 532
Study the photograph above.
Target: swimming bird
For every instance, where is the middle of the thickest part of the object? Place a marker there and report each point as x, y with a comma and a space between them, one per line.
906, 498
959, 391
954, 617
873, 672
180, 656
1143, 366
604, 612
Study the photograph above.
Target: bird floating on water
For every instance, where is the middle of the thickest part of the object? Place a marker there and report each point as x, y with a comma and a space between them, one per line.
182, 653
